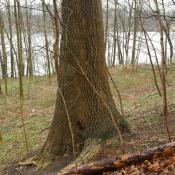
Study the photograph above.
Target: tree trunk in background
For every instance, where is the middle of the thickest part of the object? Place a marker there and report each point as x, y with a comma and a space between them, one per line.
134, 35
83, 82
0, 88
56, 34
107, 23
4, 54
163, 72
46, 42
20, 38
128, 34
29, 39
114, 34
18, 21
166, 27
1, 71
11, 38
120, 56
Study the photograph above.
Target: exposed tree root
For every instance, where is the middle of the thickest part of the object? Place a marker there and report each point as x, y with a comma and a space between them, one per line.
91, 148
119, 162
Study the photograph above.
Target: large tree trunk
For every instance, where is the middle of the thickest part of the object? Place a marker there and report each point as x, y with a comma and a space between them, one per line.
83, 83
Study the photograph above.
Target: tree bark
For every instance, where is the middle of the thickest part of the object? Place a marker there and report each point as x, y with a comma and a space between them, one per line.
135, 29
114, 37
29, 44
18, 20
84, 91
4, 53
11, 38
46, 42
0, 88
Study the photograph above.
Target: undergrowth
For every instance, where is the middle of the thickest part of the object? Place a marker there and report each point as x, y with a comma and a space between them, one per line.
141, 103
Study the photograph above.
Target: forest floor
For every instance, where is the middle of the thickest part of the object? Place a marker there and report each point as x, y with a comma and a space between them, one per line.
143, 109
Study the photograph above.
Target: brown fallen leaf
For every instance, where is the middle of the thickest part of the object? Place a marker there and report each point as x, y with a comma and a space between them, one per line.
154, 167
168, 152
119, 164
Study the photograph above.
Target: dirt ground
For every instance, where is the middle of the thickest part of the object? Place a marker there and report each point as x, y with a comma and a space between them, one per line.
142, 107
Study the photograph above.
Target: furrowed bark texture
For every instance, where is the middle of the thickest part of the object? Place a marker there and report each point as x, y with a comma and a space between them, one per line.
83, 73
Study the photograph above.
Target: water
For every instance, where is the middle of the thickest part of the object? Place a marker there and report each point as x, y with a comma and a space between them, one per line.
142, 52
39, 54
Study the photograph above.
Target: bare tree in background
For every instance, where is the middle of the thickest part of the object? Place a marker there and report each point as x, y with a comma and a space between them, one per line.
4, 53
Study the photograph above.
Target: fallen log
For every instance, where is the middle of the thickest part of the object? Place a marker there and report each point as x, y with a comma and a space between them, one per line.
116, 163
